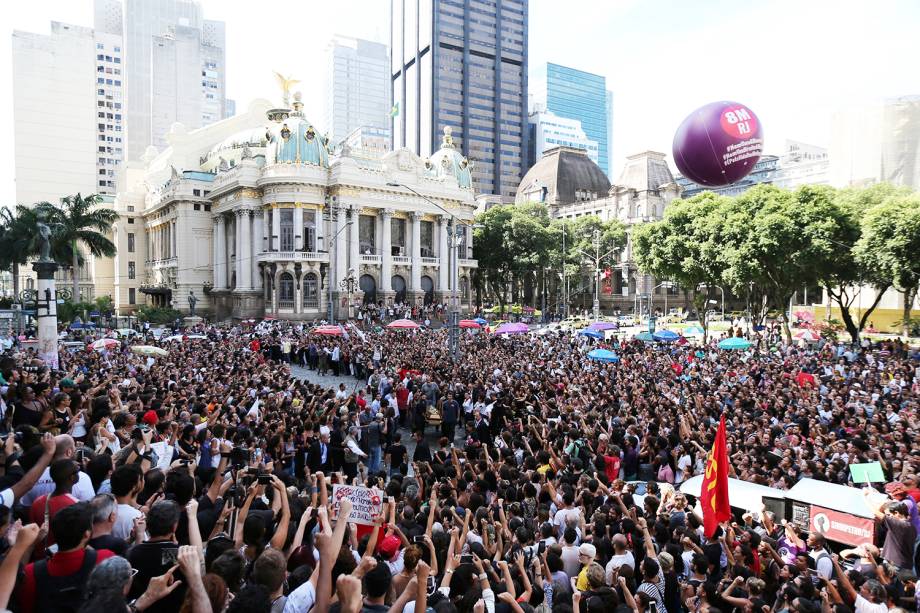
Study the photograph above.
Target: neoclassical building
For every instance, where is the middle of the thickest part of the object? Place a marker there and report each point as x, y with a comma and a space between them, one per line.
255, 217
572, 186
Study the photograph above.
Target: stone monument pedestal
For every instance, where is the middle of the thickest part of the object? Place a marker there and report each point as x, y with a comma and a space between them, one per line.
191, 321
46, 313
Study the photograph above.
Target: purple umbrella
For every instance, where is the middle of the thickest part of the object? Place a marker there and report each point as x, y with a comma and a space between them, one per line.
603, 325
512, 328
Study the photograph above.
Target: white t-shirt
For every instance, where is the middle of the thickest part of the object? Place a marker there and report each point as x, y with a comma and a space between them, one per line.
618, 560
864, 606
124, 521
302, 599
684, 464
82, 491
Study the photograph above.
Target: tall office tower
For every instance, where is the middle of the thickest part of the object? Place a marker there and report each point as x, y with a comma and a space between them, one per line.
357, 87
166, 41
67, 112
575, 94
463, 64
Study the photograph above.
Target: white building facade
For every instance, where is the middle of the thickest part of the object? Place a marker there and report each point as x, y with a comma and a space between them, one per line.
549, 130
254, 217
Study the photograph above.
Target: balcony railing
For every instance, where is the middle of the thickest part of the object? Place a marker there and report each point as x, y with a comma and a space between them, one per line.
310, 303
370, 259
165, 263
431, 261
293, 256
286, 304
469, 263
401, 259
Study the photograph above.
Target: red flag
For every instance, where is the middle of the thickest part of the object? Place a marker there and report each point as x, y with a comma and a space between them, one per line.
714, 493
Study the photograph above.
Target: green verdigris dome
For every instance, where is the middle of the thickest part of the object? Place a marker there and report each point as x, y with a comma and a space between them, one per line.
293, 140
448, 162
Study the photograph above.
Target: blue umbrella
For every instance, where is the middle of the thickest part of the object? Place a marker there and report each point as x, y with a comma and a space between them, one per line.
665, 336
591, 333
734, 343
480, 321
603, 355
694, 330
645, 337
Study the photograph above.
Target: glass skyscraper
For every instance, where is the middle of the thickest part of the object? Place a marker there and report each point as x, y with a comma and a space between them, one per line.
463, 64
580, 95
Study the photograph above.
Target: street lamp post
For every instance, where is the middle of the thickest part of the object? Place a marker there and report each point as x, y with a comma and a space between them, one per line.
666, 285
597, 258
332, 214
706, 285
455, 239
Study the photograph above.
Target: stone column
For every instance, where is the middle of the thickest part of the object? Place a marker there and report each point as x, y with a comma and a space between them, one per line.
215, 251
175, 238
321, 230
266, 244
416, 285
257, 233
275, 237
244, 250
298, 228
46, 313
238, 242
341, 255
444, 255
354, 261
386, 248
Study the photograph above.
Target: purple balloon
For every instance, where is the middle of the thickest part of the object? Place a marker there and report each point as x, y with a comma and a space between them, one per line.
718, 144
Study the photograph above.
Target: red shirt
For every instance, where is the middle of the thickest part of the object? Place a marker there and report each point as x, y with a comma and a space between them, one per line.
60, 565
37, 512
612, 467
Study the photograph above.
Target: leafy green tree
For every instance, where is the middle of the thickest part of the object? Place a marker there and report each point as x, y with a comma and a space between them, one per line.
781, 241
18, 240
685, 246
491, 248
75, 221
890, 244
836, 227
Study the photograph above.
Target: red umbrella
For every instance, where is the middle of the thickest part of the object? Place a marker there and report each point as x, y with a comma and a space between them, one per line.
469, 323
403, 324
328, 330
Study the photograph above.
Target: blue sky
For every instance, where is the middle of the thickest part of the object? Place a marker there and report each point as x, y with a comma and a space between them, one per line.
794, 62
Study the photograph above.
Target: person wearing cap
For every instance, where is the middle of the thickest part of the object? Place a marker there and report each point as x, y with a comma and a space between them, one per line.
586, 554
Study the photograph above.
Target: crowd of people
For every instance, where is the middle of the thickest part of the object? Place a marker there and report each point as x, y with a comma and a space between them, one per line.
203, 480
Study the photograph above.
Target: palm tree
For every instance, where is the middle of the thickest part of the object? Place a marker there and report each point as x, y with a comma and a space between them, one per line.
18, 240
78, 220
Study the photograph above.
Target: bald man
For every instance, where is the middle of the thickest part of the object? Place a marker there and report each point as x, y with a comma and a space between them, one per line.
64, 450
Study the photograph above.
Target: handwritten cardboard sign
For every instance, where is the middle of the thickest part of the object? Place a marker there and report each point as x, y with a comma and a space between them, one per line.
366, 503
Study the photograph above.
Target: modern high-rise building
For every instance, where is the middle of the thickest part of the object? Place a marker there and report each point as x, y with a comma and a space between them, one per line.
462, 64
175, 70
548, 130
575, 94
357, 88
67, 97
609, 128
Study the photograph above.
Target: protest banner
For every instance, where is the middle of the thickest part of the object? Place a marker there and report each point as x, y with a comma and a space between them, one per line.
366, 502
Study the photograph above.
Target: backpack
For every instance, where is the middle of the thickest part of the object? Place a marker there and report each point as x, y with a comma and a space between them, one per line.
62, 594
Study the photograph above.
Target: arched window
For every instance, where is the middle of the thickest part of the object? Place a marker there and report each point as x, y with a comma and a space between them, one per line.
286, 291
369, 287
399, 286
310, 291
428, 288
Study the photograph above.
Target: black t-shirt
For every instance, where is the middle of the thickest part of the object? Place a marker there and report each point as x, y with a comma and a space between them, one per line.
422, 452
398, 454
106, 541
152, 560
